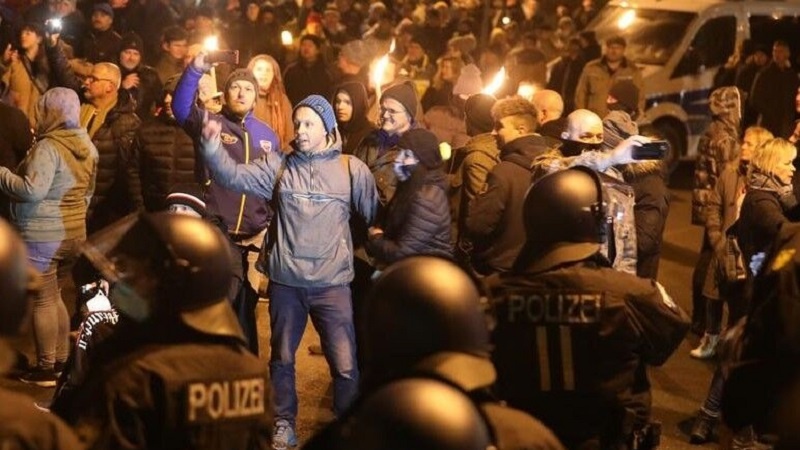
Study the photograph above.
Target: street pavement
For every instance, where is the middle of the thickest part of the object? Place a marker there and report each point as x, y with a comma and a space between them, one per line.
679, 387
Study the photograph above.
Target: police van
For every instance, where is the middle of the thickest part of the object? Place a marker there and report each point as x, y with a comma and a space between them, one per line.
681, 44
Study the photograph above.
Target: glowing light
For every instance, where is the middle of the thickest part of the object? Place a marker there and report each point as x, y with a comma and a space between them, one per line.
55, 23
211, 43
497, 82
379, 70
286, 38
626, 19
506, 20
526, 90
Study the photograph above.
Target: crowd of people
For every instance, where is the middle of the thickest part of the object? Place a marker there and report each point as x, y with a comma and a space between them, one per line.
384, 169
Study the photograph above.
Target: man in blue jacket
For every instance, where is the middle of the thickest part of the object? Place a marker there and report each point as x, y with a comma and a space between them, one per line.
244, 139
309, 254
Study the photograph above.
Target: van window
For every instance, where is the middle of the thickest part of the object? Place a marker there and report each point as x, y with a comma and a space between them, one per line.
711, 46
765, 30
652, 34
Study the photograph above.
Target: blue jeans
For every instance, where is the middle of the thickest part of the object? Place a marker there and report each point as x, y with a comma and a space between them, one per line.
331, 311
54, 261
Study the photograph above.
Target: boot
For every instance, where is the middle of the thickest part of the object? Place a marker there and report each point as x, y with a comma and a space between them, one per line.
702, 428
707, 348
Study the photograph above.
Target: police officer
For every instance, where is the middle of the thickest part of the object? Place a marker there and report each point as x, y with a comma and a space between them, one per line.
424, 319
21, 424
175, 373
573, 336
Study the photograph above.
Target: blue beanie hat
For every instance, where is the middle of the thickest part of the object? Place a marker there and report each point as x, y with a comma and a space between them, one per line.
323, 109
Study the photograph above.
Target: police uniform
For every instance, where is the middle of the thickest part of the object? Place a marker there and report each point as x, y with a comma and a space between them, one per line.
202, 393
567, 331
22, 426
573, 336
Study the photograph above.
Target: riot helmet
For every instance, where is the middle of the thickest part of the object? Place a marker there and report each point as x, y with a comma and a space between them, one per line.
418, 414
16, 279
162, 266
426, 309
566, 217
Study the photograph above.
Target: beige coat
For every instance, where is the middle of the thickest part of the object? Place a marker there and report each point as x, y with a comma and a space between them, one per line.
22, 92
595, 81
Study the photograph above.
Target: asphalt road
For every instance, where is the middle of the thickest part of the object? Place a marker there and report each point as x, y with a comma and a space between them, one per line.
678, 387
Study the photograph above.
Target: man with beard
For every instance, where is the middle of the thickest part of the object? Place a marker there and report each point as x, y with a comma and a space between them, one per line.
308, 75
102, 43
599, 75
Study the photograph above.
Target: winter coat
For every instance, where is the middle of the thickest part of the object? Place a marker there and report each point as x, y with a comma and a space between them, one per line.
446, 125
147, 93
378, 151
596, 79
772, 98
718, 148
51, 188
494, 221
26, 81
244, 139
722, 212
101, 46
310, 244
650, 212
358, 127
301, 80
469, 168
118, 191
416, 222
762, 214
164, 155
166, 67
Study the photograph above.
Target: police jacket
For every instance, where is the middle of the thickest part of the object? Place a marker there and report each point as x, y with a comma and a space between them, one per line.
494, 220
23, 426
310, 244
570, 337
164, 154
171, 388
244, 139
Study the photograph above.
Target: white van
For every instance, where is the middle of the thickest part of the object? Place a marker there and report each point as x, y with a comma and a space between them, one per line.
680, 45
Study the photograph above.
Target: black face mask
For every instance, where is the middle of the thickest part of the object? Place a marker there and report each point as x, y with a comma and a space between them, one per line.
575, 148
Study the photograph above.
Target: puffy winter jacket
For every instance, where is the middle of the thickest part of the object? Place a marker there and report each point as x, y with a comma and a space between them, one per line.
378, 153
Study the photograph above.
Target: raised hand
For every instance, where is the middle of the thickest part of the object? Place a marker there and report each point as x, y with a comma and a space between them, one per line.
210, 136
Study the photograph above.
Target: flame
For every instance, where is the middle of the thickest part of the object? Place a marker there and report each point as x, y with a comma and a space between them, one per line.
526, 90
286, 38
211, 43
379, 70
626, 19
497, 82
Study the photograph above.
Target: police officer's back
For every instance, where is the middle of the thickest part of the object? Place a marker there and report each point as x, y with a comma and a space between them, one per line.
424, 320
175, 373
22, 426
573, 336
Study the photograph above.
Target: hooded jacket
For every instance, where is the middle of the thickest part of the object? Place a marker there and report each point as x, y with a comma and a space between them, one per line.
51, 188
244, 139
650, 211
311, 244
358, 127
494, 221
469, 168
718, 148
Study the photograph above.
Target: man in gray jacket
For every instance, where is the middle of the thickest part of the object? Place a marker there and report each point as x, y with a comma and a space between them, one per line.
309, 248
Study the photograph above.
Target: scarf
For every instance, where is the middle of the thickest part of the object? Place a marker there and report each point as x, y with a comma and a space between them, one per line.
92, 118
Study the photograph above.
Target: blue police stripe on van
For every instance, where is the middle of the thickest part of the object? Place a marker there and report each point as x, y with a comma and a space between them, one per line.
695, 103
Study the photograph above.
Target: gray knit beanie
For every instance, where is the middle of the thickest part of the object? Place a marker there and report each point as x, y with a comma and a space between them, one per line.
323, 109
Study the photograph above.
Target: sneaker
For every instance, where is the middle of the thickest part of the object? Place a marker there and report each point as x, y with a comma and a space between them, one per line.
701, 430
40, 377
283, 436
707, 348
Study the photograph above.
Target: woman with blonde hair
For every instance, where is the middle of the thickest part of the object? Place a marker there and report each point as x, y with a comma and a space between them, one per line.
272, 105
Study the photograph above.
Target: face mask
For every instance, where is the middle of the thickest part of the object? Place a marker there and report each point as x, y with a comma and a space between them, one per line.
743, 166
404, 163
128, 301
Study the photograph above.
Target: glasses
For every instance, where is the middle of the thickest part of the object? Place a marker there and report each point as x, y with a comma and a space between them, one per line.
91, 79
391, 112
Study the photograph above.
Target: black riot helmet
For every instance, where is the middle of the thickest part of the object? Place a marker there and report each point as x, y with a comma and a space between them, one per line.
418, 414
163, 266
566, 217
15, 281
427, 310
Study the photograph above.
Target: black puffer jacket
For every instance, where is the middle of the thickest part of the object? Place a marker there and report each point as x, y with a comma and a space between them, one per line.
118, 191
417, 221
650, 211
378, 151
164, 154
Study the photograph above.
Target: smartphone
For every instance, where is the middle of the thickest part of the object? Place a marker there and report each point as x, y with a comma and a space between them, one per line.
223, 56
651, 150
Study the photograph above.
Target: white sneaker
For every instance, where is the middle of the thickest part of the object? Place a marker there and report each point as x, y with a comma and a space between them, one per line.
283, 436
707, 348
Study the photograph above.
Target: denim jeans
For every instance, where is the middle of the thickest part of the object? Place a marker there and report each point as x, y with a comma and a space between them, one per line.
331, 313
54, 261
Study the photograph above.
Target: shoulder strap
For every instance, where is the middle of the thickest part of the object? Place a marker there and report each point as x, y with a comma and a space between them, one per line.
345, 161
